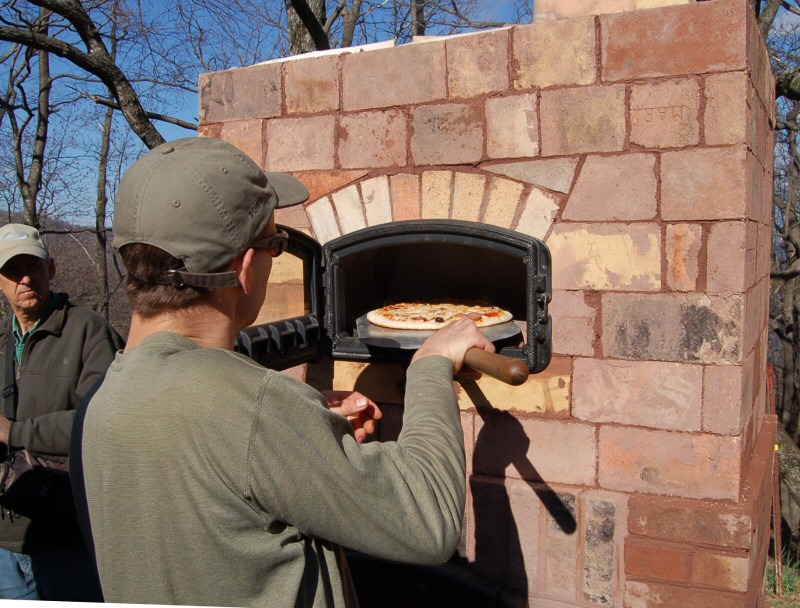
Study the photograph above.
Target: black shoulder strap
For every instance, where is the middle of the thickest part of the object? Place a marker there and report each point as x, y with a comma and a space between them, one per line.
76, 469
10, 386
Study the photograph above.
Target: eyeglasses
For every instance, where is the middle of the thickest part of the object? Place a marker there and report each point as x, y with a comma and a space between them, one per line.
275, 244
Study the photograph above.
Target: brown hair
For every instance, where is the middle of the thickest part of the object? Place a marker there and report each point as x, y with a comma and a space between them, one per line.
148, 294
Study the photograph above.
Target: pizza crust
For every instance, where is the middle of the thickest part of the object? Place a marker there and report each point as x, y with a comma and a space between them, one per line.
434, 315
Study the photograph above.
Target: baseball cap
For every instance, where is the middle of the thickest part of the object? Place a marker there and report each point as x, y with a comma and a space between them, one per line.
20, 239
201, 200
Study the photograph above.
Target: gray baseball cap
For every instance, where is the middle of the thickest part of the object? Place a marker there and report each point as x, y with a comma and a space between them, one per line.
20, 239
201, 200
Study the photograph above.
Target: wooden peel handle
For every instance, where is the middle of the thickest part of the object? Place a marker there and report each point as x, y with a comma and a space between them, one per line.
508, 370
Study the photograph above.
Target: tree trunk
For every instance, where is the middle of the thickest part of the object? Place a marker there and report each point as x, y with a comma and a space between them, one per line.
300, 37
419, 24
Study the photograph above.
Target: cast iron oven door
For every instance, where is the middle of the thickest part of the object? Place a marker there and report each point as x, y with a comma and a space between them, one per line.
423, 260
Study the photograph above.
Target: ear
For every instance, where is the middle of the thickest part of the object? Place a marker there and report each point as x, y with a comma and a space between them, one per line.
243, 265
51, 268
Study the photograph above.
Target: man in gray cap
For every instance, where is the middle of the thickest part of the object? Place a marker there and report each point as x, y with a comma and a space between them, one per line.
213, 481
52, 353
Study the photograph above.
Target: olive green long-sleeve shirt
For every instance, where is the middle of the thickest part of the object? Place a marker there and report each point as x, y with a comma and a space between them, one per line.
212, 481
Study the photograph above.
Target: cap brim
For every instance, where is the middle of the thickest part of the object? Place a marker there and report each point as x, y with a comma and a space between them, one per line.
36, 252
290, 190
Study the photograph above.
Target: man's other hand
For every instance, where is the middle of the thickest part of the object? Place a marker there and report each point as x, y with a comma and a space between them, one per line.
358, 409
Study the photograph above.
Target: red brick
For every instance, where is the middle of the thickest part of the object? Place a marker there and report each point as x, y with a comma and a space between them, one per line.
312, 84
605, 527
293, 216
446, 134
663, 462
560, 576
643, 393
683, 256
704, 184
243, 93
573, 323
614, 188
583, 119
729, 102
731, 257
726, 399
300, 144
492, 528
721, 570
405, 194
655, 595
373, 139
511, 127
320, 183
248, 136
210, 130
524, 550
659, 561
474, 63
382, 78
665, 114
695, 39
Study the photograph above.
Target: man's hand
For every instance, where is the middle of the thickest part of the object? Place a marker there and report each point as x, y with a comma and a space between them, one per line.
453, 341
5, 429
358, 409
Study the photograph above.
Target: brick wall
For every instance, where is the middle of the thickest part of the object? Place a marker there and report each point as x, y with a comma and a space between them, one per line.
637, 144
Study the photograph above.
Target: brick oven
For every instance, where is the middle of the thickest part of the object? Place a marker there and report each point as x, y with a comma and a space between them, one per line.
633, 138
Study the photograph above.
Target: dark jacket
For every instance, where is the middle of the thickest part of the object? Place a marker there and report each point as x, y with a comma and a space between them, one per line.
61, 361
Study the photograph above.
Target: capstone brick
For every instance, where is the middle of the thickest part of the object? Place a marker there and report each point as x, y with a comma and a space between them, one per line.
240, 94
468, 190
512, 130
705, 37
349, 209
538, 212
614, 188
683, 256
447, 134
582, 119
405, 191
377, 200
541, 59
692, 328
665, 114
312, 84
300, 144
475, 64
323, 220
606, 256
573, 323
561, 9
642, 393
503, 200
704, 184
728, 103
322, 183
552, 174
381, 78
664, 462
248, 136
373, 139
437, 189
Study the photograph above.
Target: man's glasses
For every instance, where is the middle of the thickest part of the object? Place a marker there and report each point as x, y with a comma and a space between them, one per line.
275, 244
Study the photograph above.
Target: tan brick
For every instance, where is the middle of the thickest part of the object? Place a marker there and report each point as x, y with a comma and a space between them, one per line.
726, 114
573, 323
583, 119
695, 39
541, 59
692, 328
382, 382
722, 571
446, 134
538, 212
606, 256
248, 136
504, 196
472, 64
281, 302
468, 189
405, 192
377, 201
641, 4
605, 517
559, 452
641, 393
614, 188
561, 9
349, 209
683, 464
437, 189
561, 549
552, 174
373, 139
286, 269
704, 184
323, 221
523, 554
294, 217
682, 252
665, 114
512, 130
731, 257
544, 393
312, 85
381, 78
239, 94
300, 144
725, 398
321, 183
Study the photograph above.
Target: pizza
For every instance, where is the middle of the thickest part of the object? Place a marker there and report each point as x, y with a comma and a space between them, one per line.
434, 315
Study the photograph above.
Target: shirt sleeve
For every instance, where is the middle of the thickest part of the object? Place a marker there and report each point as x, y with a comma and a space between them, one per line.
401, 500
